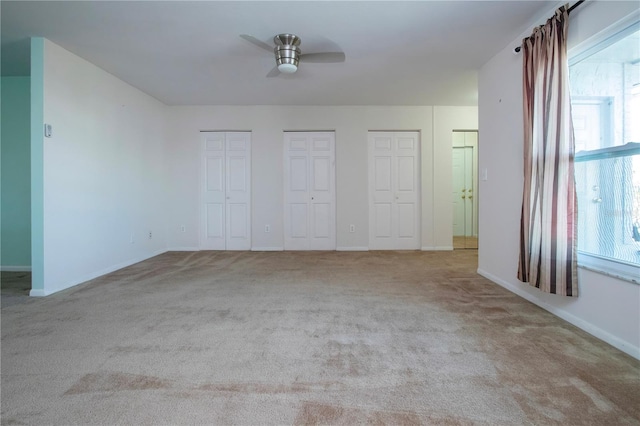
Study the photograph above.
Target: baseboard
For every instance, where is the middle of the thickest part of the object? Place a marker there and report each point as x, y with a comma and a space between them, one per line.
352, 248
595, 331
183, 249
437, 248
15, 268
73, 283
267, 248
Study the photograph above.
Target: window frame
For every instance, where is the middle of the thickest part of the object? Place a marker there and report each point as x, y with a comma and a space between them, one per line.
612, 267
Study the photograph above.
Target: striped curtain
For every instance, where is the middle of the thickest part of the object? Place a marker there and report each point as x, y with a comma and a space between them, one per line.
548, 223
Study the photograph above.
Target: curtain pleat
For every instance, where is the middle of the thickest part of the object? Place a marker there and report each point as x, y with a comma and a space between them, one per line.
548, 222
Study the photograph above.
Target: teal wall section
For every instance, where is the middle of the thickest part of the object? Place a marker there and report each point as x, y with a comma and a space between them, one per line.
37, 167
15, 204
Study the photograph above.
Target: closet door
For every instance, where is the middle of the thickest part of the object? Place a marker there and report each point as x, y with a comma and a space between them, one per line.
226, 191
394, 191
309, 191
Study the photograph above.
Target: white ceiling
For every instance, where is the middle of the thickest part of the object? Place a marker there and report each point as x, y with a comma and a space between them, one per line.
191, 52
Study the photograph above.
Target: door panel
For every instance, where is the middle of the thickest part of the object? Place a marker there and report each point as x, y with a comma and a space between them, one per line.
406, 213
215, 225
298, 174
382, 220
320, 220
214, 174
237, 174
406, 174
226, 192
321, 174
299, 220
309, 191
382, 173
394, 190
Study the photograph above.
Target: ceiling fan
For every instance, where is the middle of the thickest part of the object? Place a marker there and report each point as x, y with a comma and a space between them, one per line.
288, 53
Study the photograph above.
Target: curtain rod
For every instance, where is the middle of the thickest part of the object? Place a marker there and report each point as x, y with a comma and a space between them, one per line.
576, 4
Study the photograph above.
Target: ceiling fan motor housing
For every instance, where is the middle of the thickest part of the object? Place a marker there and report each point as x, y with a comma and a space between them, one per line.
287, 51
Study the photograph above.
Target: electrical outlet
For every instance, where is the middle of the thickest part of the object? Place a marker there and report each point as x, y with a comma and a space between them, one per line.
267, 228
150, 235
183, 228
352, 228
131, 240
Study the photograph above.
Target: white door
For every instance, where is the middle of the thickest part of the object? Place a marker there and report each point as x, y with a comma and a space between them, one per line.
394, 190
309, 191
225, 222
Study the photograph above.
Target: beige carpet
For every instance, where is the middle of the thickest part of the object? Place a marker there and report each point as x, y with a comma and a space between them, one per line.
392, 338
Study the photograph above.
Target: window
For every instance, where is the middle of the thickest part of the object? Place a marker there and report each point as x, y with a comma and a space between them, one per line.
605, 106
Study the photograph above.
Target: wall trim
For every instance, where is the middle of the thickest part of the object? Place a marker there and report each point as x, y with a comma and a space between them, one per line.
47, 292
354, 248
15, 268
605, 336
267, 248
183, 249
437, 248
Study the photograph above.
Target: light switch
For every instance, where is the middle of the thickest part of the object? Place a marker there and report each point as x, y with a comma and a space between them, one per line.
47, 130
483, 174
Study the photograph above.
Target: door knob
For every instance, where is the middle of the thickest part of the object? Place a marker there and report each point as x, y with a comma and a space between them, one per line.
463, 190
470, 196
597, 200
463, 197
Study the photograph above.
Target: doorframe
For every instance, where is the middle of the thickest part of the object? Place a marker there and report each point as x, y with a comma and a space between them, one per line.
475, 177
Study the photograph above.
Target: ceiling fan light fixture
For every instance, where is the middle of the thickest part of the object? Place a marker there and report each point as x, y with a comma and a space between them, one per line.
287, 58
287, 68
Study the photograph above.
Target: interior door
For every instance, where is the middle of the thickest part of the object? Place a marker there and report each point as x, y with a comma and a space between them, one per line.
309, 211
226, 191
394, 190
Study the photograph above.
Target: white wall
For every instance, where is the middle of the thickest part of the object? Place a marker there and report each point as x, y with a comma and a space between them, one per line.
103, 172
607, 307
351, 125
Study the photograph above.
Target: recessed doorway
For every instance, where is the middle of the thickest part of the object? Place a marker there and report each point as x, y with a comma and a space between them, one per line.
465, 189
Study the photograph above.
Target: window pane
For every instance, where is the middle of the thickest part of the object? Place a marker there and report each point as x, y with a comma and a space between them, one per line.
605, 91
608, 193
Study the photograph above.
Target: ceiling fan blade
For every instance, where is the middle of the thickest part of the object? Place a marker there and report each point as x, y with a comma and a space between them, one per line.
256, 42
324, 57
274, 72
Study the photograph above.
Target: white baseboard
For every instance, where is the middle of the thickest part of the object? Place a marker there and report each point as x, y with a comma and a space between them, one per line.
183, 249
15, 268
267, 248
352, 248
437, 248
88, 277
595, 331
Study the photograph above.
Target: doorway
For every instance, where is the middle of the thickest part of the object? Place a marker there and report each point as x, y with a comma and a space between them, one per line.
465, 189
